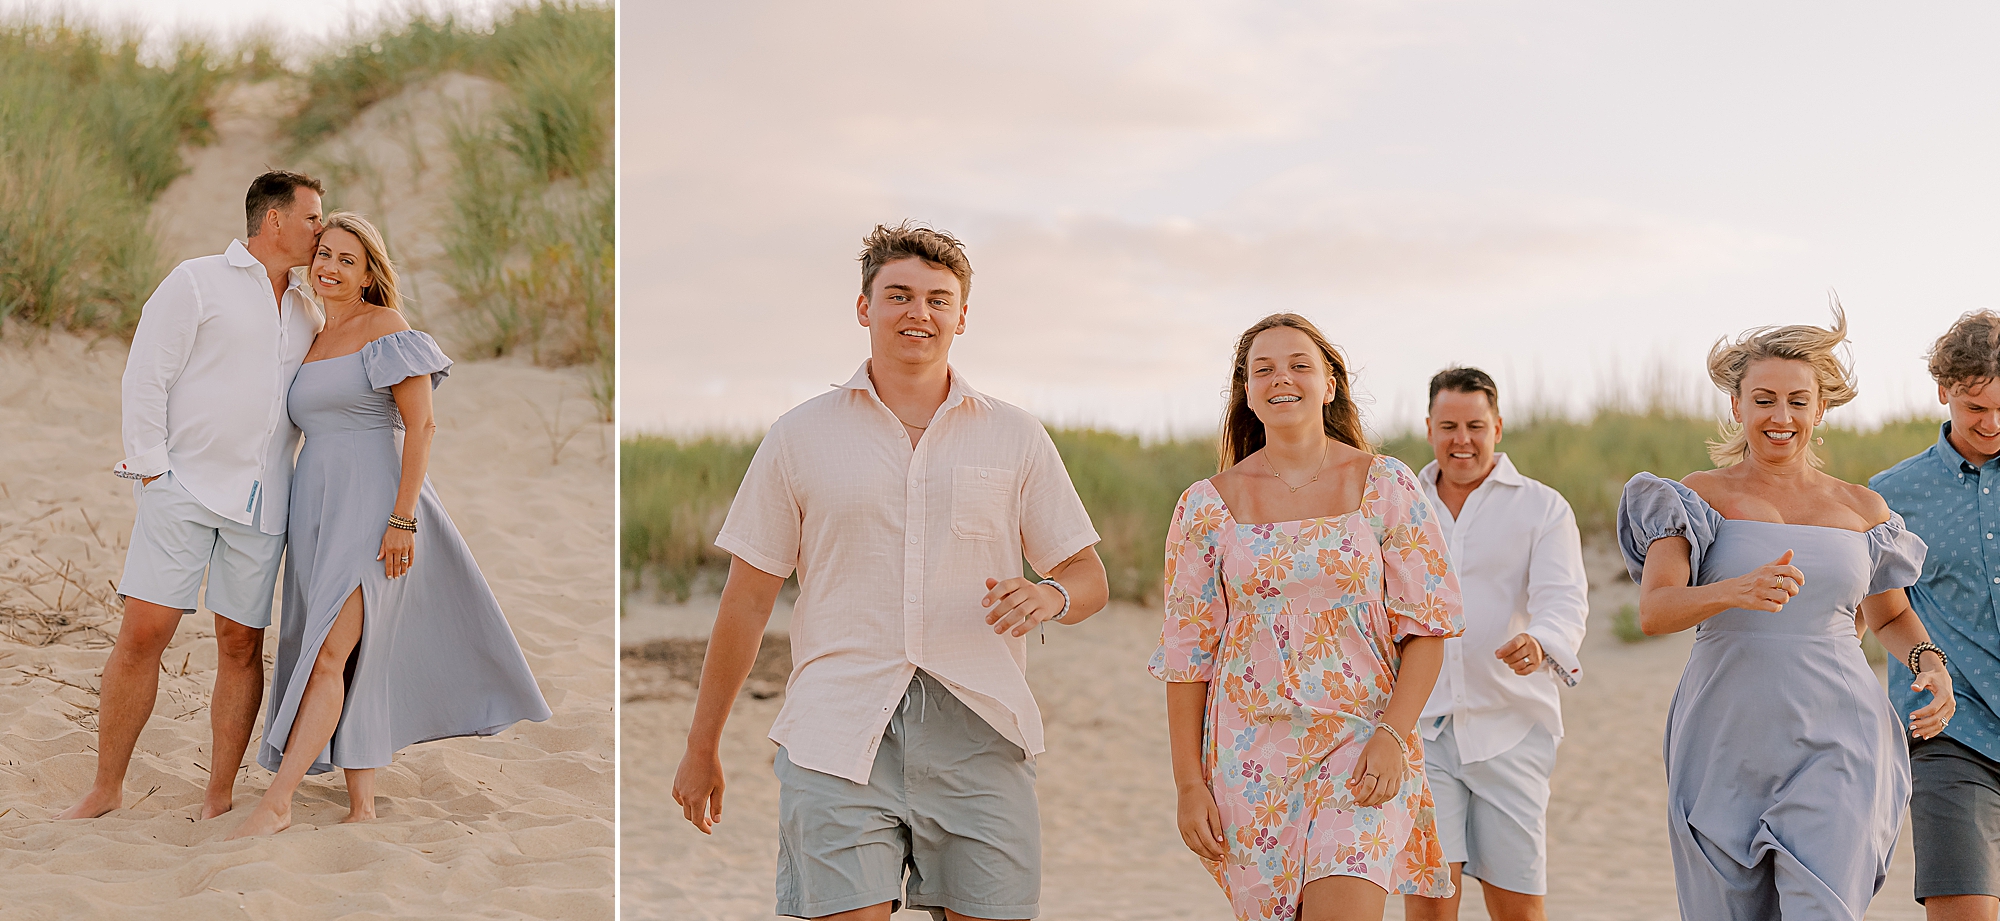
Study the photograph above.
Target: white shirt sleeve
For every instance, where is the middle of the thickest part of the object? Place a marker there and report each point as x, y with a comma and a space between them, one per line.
160, 349
1558, 588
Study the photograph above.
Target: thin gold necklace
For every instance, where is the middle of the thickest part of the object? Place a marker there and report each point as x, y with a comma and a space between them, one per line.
1316, 470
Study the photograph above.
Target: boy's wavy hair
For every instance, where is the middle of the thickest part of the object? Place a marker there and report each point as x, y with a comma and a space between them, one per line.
936, 248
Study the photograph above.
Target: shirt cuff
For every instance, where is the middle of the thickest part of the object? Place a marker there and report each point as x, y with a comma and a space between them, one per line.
1064, 549
742, 550
140, 466
1559, 651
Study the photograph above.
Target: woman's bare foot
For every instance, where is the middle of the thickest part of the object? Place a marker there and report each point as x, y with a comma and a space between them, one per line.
261, 821
94, 804
360, 813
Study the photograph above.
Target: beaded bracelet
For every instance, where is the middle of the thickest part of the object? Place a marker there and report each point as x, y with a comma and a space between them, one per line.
404, 524
1397, 737
1917, 652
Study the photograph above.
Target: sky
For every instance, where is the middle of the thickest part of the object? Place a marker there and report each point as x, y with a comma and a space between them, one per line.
305, 24
1578, 197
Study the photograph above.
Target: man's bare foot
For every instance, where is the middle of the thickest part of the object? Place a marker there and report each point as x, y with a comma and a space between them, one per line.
360, 813
215, 804
94, 804
261, 821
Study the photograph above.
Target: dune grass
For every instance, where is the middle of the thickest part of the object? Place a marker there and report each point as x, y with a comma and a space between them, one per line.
89, 135
675, 493
531, 249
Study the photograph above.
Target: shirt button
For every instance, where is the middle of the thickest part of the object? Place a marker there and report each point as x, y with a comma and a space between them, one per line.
913, 598
914, 540
982, 474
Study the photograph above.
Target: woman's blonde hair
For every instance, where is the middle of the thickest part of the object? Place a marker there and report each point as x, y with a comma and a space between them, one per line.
383, 292
1818, 348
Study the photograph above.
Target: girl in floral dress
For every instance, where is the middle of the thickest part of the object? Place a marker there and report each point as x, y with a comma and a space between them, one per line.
1308, 596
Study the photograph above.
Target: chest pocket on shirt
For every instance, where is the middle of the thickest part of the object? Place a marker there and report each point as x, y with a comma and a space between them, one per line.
982, 502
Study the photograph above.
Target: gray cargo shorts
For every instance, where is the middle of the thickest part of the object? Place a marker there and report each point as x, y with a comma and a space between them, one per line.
1954, 818
949, 799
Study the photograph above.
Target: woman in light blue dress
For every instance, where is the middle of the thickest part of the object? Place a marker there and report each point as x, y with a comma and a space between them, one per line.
1787, 770
389, 635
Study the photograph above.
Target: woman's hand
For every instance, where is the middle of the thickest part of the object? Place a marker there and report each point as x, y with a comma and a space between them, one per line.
1769, 586
1200, 822
1378, 774
1929, 720
398, 546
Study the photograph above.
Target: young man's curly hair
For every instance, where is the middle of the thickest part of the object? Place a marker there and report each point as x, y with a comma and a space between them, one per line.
938, 249
1968, 354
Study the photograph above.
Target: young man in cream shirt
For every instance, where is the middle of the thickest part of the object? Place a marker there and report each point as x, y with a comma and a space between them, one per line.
210, 448
1493, 722
905, 500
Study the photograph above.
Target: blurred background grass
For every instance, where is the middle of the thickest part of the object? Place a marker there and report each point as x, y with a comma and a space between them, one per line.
675, 492
92, 126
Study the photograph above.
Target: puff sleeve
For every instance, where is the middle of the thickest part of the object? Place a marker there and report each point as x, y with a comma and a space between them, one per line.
1895, 556
1652, 508
402, 355
1419, 582
1197, 609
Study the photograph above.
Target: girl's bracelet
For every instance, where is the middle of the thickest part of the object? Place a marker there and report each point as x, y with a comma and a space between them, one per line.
1916, 656
1401, 745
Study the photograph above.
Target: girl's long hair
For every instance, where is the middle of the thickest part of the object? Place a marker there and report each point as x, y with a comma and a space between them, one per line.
1243, 432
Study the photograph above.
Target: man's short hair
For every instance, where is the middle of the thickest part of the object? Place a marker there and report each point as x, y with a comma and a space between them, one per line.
1464, 380
278, 189
936, 248
1968, 354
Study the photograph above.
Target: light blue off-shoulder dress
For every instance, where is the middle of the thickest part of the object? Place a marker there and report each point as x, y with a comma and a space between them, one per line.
1787, 770
436, 657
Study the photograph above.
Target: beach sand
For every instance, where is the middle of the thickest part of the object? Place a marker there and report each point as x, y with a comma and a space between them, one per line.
1105, 785
515, 826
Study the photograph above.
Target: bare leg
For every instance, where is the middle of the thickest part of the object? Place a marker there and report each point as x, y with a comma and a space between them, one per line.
126, 694
1342, 898
1961, 908
318, 717
360, 795
1418, 908
232, 709
1508, 905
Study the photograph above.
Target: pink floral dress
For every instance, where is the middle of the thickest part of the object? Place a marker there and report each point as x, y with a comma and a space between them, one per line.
1294, 626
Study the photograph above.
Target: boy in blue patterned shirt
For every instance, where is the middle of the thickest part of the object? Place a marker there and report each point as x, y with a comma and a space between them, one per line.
1950, 496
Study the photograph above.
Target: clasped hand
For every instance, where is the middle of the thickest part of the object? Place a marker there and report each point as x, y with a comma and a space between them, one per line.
1769, 586
1019, 604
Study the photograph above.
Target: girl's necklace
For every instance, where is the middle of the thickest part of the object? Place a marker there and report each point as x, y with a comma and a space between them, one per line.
1316, 470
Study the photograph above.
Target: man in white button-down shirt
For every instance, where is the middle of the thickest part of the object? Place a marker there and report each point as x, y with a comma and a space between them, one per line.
210, 450
1493, 722
905, 500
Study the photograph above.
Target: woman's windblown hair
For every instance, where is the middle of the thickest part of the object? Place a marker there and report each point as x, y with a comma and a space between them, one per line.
1818, 347
384, 292
1243, 432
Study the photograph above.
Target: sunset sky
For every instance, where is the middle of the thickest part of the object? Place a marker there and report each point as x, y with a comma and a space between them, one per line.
1577, 197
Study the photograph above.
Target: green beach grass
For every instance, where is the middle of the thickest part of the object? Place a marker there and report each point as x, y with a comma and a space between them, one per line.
92, 128
675, 493
90, 134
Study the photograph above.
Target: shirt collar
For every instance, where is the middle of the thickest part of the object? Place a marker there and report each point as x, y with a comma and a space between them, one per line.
1503, 473
1954, 462
960, 390
239, 256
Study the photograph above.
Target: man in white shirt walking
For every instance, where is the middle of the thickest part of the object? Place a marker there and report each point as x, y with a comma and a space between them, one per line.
1493, 721
210, 449
905, 500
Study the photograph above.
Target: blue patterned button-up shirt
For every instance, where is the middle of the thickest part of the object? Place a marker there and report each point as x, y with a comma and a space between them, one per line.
1955, 508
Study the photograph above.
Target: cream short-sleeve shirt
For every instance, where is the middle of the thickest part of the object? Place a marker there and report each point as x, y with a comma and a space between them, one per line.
893, 547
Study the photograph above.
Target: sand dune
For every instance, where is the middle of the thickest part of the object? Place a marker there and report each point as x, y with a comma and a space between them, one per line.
1106, 789
516, 826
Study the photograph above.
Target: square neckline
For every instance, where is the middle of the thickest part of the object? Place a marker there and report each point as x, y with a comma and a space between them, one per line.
1783, 524
1367, 489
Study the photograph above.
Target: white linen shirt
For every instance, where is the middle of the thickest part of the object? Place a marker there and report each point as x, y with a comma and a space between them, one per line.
893, 548
204, 387
1520, 569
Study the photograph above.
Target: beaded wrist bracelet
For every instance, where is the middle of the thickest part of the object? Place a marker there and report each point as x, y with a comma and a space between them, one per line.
1921, 648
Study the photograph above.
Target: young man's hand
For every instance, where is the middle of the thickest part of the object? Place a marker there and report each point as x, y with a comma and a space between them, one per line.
698, 787
1019, 604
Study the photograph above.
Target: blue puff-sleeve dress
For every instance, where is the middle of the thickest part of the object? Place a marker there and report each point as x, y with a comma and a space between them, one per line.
1787, 771
436, 657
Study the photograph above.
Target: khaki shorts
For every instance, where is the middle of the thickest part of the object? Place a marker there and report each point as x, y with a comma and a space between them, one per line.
1492, 814
176, 540
948, 799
